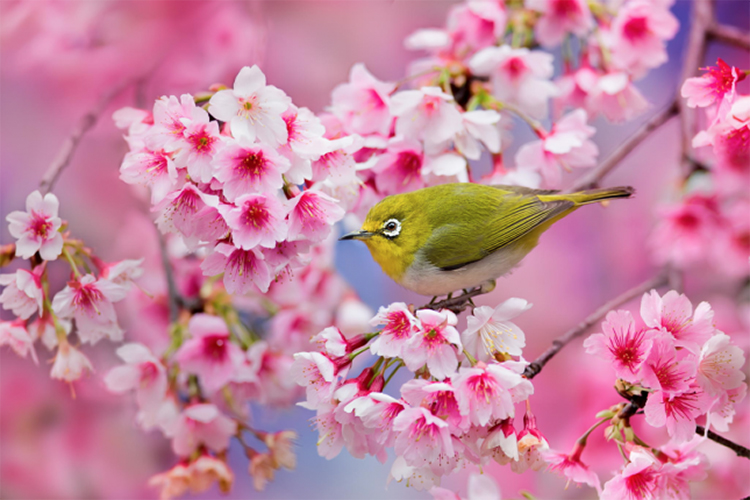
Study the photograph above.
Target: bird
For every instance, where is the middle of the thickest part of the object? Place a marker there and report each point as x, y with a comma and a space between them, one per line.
441, 239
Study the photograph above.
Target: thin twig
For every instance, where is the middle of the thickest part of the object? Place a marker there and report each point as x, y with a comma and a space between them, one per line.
173, 295
536, 366
456, 304
594, 176
729, 35
88, 120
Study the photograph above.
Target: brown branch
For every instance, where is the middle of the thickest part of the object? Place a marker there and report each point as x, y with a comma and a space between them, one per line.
592, 178
536, 366
174, 298
88, 120
729, 35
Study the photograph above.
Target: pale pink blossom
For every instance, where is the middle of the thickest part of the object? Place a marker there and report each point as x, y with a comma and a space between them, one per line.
422, 437
377, 411
317, 374
676, 411
531, 447
14, 334
170, 118
400, 325
43, 328
196, 149
440, 398
480, 127
489, 330
133, 120
305, 143
144, 373
674, 313
172, 483
122, 272
209, 353
612, 94
729, 135
252, 108
682, 466
70, 363
637, 480
502, 442
336, 164
261, 469
487, 392
363, 103
257, 219
722, 410
244, 167
192, 213
714, 86
90, 302
475, 24
206, 471
242, 268
567, 145
435, 344
154, 169
571, 466
23, 292
720, 365
560, 17
639, 32
427, 114
623, 345
311, 215
518, 76
202, 424
37, 229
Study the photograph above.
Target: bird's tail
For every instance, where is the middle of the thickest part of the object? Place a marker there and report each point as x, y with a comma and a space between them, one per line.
598, 195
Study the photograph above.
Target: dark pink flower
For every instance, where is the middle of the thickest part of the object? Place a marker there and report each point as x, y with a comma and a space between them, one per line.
243, 167
257, 219
717, 83
560, 17
311, 215
571, 466
487, 392
622, 344
242, 268
435, 344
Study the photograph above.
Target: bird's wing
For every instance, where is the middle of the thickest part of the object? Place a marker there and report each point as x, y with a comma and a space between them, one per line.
452, 246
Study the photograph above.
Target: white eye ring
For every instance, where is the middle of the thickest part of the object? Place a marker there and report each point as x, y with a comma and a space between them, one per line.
392, 228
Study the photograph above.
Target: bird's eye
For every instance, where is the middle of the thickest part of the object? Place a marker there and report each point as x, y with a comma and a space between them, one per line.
391, 228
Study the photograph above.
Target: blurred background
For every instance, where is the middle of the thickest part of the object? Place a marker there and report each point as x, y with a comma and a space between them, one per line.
58, 58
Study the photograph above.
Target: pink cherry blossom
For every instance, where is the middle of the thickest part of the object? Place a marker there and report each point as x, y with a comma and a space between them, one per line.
560, 17
202, 424
422, 437
729, 135
363, 103
399, 326
488, 330
336, 164
667, 368
311, 215
14, 334
571, 466
674, 313
475, 24
154, 169
487, 392
717, 84
317, 374
123, 272
440, 398
479, 127
252, 108
257, 219
43, 328
192, 213
502, 442
143, 372
242, 268
531, 446
377, 411
638, 34
566, 145
427, 114
676, 411
682, 466
210, 353
196, 149
720, 365
37, 229
70, 363
90, 302
435, 344
623, 345
23, 292
170, 117
637, 480
722, 410
518, 76
244, 167
612, 94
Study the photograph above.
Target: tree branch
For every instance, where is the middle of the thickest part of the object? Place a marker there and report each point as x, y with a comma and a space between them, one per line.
536, 366
88, 120
729, 35
174, 299
592, 178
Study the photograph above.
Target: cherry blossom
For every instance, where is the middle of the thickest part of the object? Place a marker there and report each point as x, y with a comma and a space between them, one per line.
169, 117
14, 334
252, 108
475, 24
674, 313
242, 268
435, 344
192, 213
667, 368
676, 411
479, 127
714, 86
23, 292
611, 94
37, 229
89, 301
258, 219
70, 363
202, 424
210, 353
363, 104
154, 169
488, 330
719, 365
566, 145
422, 436
311, 215
400, 325
196, 149
571, 466
560, 17
244, 167
638, 479
317, 373
427, 114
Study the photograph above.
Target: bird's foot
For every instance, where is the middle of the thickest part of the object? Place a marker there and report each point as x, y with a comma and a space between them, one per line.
459, 302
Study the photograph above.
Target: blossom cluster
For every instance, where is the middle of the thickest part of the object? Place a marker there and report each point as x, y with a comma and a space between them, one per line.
86, 301
456, 409
710, 223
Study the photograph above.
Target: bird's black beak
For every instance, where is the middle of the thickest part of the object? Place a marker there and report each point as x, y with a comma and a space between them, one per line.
357, 235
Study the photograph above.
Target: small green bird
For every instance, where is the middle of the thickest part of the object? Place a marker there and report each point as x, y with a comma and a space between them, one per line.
440, 239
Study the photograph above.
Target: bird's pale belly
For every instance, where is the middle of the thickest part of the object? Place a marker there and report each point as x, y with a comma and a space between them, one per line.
426, 279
